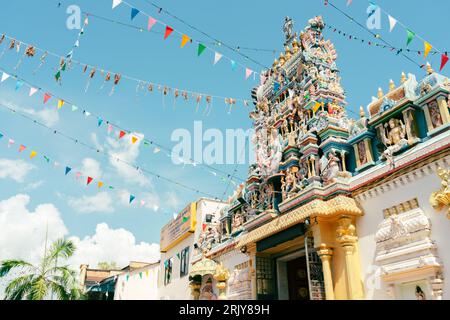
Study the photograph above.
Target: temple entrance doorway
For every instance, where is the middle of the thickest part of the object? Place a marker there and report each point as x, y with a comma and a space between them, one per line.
298, 279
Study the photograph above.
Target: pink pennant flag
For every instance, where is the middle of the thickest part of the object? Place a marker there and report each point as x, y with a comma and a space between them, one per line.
110, 128
151, 23
248, 73
142, 203
33, 91
78, 175
349, 2
10, 142
217, 57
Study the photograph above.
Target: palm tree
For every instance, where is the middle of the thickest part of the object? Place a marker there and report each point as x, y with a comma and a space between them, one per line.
41, 281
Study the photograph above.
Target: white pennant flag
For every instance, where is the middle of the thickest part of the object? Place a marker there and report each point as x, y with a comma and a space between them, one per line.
5, 76
217, 57
392, 23
33, 91
115, 3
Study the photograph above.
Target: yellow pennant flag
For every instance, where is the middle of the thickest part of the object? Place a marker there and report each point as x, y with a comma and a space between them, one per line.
100, 184
316, 106
184, 40
134, 140
60, 103
428, 47
33, 154
146, 273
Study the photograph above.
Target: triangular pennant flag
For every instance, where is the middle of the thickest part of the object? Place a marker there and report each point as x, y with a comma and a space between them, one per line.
217, 57
68, 169
89, 180
142, 203
115, 3
100, 121
169, 30
151, 23
60, 103
392, 23
140, 275
427, 49
178, 255
74, 108
33, 154
100, 184
19, 84
1, 135
122, 134
248, 73
184, 39
134, 13
33, 91
132, 198
201, 48
233, 65
47, 97
203, 226
134, 139
146, 273
10, 142
5, 76
128, 276
86, 113
58, 75
156, 150
185, 219
22, 147
410, 36
47, 159
444, 60
349, 2
110, 128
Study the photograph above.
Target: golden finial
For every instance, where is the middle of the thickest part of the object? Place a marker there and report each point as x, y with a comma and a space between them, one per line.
282, 59
295, 47
362, 114
429, 69
288, 52
403, 78
380, 93
391, 85
275, 63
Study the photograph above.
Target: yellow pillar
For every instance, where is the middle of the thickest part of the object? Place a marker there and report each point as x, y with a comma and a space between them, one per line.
443, 108
344, 168
346, 237
325, 254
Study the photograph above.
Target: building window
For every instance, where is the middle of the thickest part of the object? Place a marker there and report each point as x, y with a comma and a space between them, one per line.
167, 271
184, 262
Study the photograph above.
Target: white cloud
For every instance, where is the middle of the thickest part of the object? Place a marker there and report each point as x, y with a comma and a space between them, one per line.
14, 169
23, 232
113, 245
91, 167
95, 141
49, 116
33, 185
101, 202
127, 153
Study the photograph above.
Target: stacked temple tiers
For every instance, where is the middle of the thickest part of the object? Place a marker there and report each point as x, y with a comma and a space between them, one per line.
324, 181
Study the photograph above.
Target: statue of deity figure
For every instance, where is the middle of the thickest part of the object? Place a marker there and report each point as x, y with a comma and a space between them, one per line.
329, 167
395, 138
288, 30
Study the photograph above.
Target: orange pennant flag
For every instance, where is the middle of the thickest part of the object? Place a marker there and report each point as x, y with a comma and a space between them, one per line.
184, 39
100, 184
428, 47
33, 154
134, 139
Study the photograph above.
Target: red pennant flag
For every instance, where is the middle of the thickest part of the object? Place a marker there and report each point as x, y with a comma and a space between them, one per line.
22, 147
122, 134
444, 60
203, 226
169, 30
89, 180
47, 97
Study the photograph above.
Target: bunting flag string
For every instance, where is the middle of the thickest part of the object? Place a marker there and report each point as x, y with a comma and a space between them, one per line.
427, 49
122, 131
67, 168
377, 36
117, 77
90, 179
410, 35
168, 30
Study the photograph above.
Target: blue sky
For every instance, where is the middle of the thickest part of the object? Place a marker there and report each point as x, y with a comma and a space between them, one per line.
146, 56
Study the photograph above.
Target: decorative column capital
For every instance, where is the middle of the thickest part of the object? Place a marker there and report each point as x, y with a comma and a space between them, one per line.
346, 232
325, 252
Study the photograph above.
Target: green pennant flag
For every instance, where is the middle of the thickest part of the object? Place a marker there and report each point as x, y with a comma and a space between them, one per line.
146, 143
47, 159
178, 255
140, 275
185, 219
63, 67
58, 75
410, 35
201, 48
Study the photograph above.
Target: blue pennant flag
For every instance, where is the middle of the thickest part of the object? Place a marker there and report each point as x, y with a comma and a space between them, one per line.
100, 121
19, 84
68, 170
134, 13
132, 198
233, 65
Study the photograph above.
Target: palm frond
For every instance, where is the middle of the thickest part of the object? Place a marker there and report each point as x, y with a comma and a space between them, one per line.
39, 289
61, 248
8, 265
19, 288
